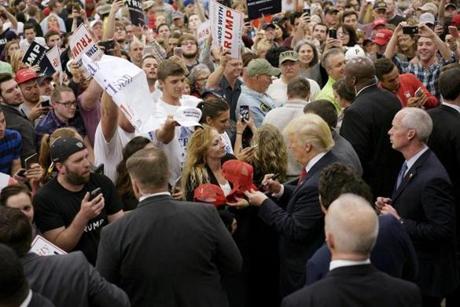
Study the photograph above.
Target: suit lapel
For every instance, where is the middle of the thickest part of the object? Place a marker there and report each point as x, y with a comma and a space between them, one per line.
411, 173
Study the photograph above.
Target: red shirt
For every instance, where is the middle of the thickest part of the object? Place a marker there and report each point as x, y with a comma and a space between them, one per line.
408, 85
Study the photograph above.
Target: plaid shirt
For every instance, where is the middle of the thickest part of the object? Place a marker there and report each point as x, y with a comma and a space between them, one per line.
428, 76
50, 122
10, 150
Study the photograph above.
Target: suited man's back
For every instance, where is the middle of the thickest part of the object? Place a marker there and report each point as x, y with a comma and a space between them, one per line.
360, 285
69, 280
169, 253
365, 125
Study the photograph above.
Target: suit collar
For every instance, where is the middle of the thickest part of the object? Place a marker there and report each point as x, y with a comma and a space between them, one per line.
154, 199
410, 174
450, 108
363, 269
318, 166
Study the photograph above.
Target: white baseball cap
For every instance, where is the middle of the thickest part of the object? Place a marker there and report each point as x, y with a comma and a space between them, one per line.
188, 116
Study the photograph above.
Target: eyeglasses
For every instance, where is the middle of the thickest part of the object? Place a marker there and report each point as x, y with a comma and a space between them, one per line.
68, 104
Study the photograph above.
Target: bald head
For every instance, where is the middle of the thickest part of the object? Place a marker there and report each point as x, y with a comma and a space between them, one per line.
351, 226
361, 68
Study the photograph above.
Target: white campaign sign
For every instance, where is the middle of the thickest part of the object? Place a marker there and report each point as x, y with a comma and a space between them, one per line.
226, 28
43, 247
81, 42
127, 85
54, 56
203, 32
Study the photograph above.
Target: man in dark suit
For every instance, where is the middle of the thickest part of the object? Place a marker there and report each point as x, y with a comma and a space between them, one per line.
366, 123
393, 252
66, 280
351, 228
166, 252
423, 202
14, 290
296, 215
445, 143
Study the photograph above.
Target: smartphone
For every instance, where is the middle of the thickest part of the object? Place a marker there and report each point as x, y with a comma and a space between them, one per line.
107, 45
94, 193
21, 173
45, 103
244, 113
306, 11
411, 30
419, 92
31, 160
332, 33
178, 51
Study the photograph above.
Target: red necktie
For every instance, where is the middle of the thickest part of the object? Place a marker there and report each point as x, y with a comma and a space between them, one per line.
302, 177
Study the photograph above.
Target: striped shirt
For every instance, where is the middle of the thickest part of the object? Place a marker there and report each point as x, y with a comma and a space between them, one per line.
10, 150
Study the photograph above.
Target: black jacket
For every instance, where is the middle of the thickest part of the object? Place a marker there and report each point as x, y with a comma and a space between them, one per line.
365, 125
357, 286
169, 253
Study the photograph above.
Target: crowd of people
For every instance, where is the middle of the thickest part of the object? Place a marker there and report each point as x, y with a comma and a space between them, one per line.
323, 170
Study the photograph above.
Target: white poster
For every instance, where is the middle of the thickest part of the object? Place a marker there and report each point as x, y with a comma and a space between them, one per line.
82, 42
127, 85
43, 247
203, 32
54, 56
226, 28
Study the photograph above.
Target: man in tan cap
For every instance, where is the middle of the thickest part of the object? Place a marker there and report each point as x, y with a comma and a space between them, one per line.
253, 92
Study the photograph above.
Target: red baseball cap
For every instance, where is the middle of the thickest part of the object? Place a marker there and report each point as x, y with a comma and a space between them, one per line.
210, 193
25, 74
379, 22
240, 175
382, 37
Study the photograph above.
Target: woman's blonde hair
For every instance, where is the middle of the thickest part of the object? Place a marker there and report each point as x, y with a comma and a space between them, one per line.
270, 156
45, 144
16, 60
312, 129
194, 172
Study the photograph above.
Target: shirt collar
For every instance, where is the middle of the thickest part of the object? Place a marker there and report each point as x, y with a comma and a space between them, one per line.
314, 160
342, 263
252, 92
364, 88
412, 160
143, 197
26, 302
453, 106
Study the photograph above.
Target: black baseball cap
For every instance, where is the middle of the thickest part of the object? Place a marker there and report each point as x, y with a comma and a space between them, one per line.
62, 148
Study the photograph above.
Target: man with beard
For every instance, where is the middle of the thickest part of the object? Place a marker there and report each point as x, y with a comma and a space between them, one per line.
189, 47
27, 81
425, 66
67, 214
16, 120
64, 113
150, 66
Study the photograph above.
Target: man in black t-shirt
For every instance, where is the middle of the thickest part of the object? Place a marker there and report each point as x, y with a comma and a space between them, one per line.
66, 214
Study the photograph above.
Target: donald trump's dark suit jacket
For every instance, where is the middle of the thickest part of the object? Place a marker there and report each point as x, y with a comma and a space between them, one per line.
299, 221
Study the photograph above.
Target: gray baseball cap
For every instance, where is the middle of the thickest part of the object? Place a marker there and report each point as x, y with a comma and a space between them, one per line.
262, 67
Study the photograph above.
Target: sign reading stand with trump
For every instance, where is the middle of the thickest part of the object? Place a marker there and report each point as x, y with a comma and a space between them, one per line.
226, 28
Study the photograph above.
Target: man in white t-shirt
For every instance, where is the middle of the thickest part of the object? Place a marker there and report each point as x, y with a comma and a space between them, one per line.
170, 136
290, 68
112, 134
